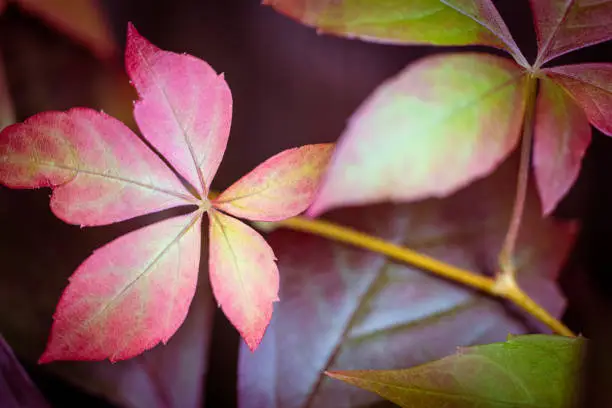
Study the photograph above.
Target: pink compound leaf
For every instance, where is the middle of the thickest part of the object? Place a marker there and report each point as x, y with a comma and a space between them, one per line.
429, 131
129, 295
243, 275
135, 291
100, 170
562, 135
279, 188
185, 108
566, 25
591, 86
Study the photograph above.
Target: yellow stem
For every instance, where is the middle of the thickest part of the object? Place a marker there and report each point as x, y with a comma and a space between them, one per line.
485, 284
507, 287
349, 236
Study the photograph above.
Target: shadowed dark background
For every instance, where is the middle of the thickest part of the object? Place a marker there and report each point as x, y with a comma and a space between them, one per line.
290, 87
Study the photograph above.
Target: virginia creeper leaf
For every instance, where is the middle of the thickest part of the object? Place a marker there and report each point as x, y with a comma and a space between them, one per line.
429, 131
591, 85
566, 25
185, 109
97, 168
82, 20
129, 295
16, 388
7, 114
526, 371
344, 308
562, 135
281, 187
100, 170
451, 22
243, 275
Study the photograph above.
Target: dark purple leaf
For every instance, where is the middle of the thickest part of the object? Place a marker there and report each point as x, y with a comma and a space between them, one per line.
343, 308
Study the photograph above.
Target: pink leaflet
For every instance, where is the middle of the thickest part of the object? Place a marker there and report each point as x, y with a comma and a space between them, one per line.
281, 187
129, 295
100, 170
591, 85
185, 108
566, 25
243, 275
562, 135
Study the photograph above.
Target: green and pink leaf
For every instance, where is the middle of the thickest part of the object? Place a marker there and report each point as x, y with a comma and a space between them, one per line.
451, 22
429, 131
525, 371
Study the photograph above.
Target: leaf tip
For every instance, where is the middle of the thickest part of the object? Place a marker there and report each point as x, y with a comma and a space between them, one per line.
46, 357
252, 342
548, 204
131, 30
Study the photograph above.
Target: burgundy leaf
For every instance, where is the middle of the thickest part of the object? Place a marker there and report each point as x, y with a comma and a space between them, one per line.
566, 25
562, 135
343, 308
591, 85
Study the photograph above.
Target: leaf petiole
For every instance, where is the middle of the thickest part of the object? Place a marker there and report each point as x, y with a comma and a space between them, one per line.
506, 263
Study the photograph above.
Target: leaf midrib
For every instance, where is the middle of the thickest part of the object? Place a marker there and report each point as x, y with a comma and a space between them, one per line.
216, 219
146, 270
177, 121
54, 165
542, 56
